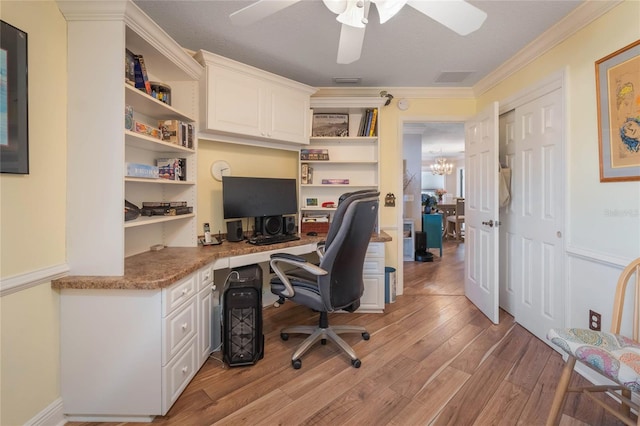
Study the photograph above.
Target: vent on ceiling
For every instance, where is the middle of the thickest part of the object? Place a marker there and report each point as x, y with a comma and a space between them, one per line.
453, 76
347, 80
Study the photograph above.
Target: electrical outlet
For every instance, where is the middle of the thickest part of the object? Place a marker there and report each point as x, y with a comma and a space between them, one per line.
595, 322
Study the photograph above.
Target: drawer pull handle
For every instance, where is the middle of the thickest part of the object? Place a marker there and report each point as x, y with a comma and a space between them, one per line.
184, 326
185, 370
185, 291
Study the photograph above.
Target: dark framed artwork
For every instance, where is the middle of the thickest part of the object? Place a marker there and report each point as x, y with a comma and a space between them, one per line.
14, 124
618, 91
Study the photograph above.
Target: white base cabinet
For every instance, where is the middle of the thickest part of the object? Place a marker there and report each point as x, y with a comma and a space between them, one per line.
127, 355
373, 275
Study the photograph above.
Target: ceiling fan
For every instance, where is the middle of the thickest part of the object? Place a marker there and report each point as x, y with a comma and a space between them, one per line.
457, 15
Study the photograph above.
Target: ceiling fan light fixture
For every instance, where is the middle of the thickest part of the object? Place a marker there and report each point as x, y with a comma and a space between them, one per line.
353, 15
387, 9
336, 6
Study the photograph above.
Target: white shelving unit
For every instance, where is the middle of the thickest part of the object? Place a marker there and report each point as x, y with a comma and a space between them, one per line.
98, 147
355, 158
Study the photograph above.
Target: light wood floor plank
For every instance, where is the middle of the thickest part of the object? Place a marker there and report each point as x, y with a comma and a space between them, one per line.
433, 358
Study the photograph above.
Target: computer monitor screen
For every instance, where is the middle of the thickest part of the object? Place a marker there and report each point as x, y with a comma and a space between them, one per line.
257, 197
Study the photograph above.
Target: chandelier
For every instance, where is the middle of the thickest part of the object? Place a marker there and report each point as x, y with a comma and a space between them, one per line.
441, 167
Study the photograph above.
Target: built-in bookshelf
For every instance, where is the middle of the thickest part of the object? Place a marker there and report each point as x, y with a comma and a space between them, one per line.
335, 165
99, 146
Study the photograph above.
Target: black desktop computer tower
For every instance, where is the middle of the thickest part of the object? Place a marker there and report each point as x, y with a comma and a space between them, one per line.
243, 341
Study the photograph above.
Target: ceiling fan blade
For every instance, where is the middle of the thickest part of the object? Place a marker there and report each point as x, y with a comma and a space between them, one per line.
261, 9
350, 45
457, 15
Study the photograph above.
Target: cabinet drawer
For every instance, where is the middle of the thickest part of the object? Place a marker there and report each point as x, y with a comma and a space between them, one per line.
375, 250
178, 328
206, 277
177, 294
373, 266
176, 375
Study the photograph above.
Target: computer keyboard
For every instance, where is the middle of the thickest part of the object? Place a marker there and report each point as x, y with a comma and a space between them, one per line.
263, 240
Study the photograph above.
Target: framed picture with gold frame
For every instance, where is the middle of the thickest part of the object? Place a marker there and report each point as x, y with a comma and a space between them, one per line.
618, 94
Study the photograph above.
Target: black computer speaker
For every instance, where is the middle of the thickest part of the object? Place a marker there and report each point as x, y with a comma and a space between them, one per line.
289, 225
234, 231
269, 225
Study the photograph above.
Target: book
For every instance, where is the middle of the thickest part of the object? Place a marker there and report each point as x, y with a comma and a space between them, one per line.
314, 154
172, 168
374, 116
304, 173
310, 176
164, 204
330, 125
129, 67
145, 76
335, 181
368, 125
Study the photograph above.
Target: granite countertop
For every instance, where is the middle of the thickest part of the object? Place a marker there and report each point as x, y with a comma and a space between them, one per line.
158, 269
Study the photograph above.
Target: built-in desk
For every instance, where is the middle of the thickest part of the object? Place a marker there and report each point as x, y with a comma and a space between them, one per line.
131, 344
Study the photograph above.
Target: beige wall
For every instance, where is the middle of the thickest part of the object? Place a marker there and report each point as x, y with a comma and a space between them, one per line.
33, 222
244, 161
32, 239
593, 223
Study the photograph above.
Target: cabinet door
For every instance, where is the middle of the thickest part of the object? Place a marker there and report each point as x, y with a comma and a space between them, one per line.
205, 312
234, 102
287, 112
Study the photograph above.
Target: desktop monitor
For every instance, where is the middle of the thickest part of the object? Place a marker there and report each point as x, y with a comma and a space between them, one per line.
244, 197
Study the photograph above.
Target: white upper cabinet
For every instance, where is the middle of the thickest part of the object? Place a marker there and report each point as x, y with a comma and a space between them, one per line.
243, 104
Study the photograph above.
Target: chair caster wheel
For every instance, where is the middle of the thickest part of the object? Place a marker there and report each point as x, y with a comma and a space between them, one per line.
284, 336
296, 363
366, 336
356, 363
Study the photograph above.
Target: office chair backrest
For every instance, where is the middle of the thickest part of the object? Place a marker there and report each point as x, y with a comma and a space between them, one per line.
344, 256
340, 211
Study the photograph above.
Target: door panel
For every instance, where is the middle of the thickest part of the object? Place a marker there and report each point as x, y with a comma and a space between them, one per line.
481, 211
538, 197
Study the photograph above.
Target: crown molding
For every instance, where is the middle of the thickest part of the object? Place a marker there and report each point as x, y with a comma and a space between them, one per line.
580, 17
399, 92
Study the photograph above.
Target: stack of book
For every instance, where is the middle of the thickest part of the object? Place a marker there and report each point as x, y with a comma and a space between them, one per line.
306, 174
165, 208
314, 154
368, 123
136, 72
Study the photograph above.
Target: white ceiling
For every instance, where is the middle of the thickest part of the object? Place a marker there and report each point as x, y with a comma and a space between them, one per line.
300, 42
410, 50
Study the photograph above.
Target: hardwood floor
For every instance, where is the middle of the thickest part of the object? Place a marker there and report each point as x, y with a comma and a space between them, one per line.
433, 358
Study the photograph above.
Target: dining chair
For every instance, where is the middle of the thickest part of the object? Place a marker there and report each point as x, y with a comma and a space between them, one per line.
611, 354
456, 221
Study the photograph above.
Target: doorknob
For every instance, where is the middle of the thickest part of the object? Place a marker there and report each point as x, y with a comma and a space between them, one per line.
490, 223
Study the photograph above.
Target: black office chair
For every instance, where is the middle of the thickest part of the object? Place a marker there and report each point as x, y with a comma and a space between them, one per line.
336, 282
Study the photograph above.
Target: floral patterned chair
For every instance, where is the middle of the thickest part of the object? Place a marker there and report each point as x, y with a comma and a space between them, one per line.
609, 353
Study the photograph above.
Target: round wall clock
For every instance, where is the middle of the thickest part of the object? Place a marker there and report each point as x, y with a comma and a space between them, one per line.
220, 168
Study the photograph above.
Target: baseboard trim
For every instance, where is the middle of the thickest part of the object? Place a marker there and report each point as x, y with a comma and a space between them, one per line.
51, 416
21, 282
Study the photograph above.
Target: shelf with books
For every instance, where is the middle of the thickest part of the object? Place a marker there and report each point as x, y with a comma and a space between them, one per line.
146, 105
149, 143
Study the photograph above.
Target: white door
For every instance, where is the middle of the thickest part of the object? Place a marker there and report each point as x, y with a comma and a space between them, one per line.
536, 245
481, 211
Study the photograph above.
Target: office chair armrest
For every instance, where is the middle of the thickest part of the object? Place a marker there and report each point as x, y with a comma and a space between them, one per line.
320, 249
293, 260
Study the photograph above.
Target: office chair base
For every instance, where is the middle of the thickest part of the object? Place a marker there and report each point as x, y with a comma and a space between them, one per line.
318, 333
